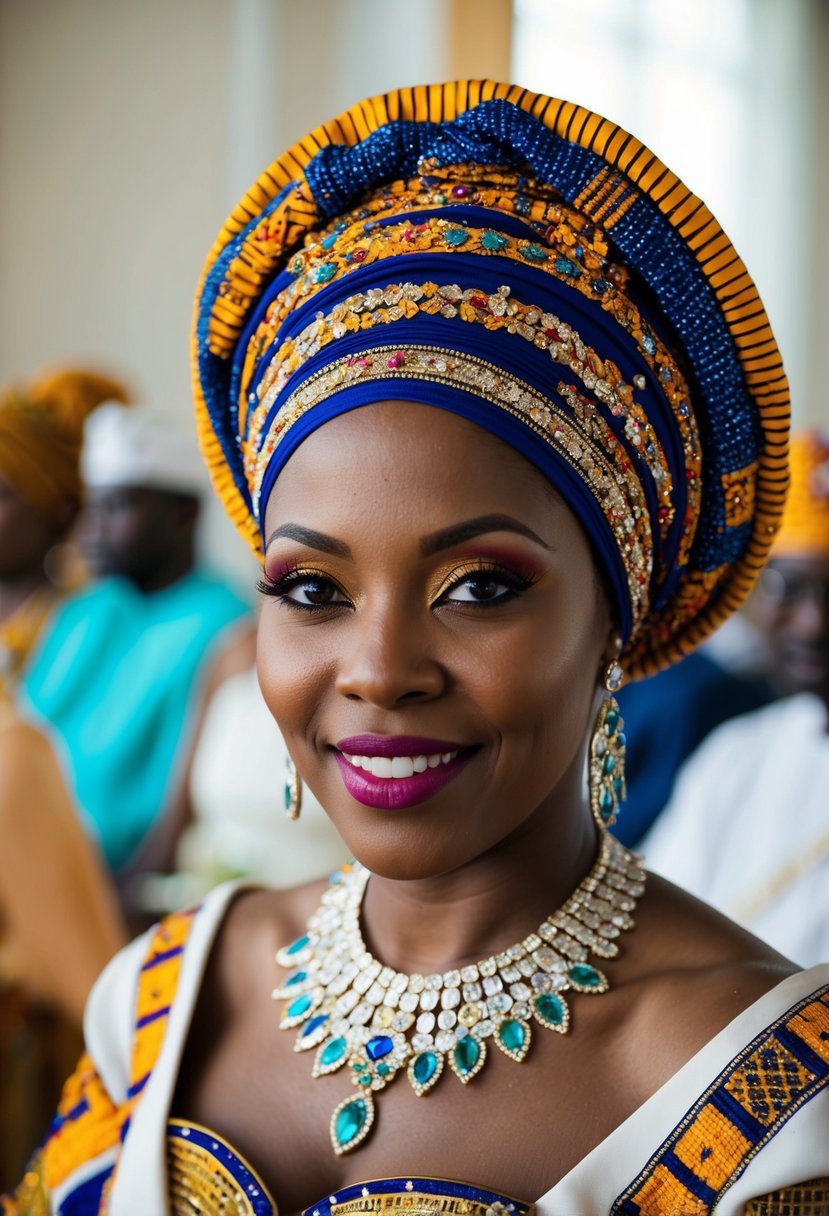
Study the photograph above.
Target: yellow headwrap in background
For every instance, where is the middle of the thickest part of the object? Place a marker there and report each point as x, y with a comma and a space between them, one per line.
41, 430
805, 528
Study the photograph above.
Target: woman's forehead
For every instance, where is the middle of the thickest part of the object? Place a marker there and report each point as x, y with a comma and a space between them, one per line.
413, 449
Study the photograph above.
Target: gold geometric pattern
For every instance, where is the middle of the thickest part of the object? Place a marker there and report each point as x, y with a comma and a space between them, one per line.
768, 1081
803, 1199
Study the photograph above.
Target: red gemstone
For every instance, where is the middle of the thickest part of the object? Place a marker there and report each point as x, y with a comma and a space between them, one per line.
358, 255
479, 301
553, 335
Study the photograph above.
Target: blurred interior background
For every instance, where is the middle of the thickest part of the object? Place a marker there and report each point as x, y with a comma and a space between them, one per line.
128, 130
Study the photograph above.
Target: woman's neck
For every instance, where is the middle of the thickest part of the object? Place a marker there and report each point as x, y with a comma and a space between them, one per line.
435, 924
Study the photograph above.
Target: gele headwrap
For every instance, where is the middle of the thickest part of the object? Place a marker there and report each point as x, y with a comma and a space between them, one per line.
529, 265
804, 531
41, 431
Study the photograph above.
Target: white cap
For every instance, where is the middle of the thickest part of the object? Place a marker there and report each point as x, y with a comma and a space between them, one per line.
137, 445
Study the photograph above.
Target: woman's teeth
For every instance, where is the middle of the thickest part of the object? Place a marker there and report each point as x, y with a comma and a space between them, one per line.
399, 766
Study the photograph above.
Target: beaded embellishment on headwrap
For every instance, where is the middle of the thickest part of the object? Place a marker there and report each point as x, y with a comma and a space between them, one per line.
498, 186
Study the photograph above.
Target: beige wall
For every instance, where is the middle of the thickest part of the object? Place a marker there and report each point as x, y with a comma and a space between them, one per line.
128, 128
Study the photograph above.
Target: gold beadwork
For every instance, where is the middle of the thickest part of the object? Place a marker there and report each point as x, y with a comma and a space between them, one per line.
603, 466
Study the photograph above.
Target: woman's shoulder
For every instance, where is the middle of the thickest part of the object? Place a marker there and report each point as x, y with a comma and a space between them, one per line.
693, 972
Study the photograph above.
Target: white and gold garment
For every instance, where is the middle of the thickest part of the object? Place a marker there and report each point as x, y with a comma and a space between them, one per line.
741, 1130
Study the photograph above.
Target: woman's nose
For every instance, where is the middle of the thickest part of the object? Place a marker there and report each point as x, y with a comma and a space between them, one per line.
388, 662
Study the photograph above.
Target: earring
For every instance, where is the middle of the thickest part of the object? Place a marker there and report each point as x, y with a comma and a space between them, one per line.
293, 790
607, 754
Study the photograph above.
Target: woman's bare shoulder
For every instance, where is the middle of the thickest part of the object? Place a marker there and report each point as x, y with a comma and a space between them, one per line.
693, 971
257, 923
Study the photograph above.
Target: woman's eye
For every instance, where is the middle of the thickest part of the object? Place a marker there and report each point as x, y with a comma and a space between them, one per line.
485, 587
304, 590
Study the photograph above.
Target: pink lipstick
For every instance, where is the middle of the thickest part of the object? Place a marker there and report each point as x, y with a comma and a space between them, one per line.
394, 772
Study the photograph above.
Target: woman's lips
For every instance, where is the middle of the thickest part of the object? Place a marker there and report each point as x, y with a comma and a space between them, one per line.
392, 773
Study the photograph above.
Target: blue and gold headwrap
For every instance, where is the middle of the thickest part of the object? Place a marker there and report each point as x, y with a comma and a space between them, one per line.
527, 264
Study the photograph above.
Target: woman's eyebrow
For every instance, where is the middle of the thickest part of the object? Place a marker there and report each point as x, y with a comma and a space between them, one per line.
456, 534
311, 538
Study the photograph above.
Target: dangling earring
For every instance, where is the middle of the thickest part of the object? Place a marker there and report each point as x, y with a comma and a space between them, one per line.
607, 754
293, 790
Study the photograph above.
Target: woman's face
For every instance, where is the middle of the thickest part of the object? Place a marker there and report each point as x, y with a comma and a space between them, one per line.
433, 646
25, 537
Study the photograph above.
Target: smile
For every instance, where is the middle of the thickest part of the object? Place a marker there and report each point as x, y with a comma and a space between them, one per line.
395, 773
397, 767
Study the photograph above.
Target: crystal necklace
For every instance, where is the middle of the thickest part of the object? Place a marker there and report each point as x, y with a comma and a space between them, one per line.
379, 1021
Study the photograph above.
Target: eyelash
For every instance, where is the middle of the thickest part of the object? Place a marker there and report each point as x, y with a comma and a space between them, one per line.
516, 584
288, 579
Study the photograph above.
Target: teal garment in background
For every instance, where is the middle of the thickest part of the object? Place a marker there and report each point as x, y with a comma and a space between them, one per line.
114, 680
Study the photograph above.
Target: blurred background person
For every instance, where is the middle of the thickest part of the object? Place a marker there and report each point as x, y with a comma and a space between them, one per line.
748, 826
117, 676
667, 716
59, 922
41, 429
59, 925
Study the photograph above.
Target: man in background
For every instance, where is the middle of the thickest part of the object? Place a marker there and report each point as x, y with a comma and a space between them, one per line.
116, 677
747, 828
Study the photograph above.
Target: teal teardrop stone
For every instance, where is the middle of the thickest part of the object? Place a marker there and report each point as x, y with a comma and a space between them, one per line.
611, 721
301, 1005
609, 764
333, 1051
585, 975
299, 944
512, 1034
550, 1008
296, 978
350, 1121
467, 1053
424, 1067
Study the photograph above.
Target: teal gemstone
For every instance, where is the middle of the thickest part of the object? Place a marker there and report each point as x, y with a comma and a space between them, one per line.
565, 266
296, 978
425, 1066
606, 802
551, 1008
325, 272
493, 241
330, 240
533, 253
365, 1079
299, 944
383, 1070
333, 1051
456, 236
609, 764
467, 1053
301, 1005
585, 975
512, 1034
350, 1121
611, 721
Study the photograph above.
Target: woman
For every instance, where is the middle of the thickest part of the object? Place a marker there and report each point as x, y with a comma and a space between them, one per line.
494, 460
41, 428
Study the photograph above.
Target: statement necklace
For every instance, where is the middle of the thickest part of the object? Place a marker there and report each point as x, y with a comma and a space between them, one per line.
380, 1021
